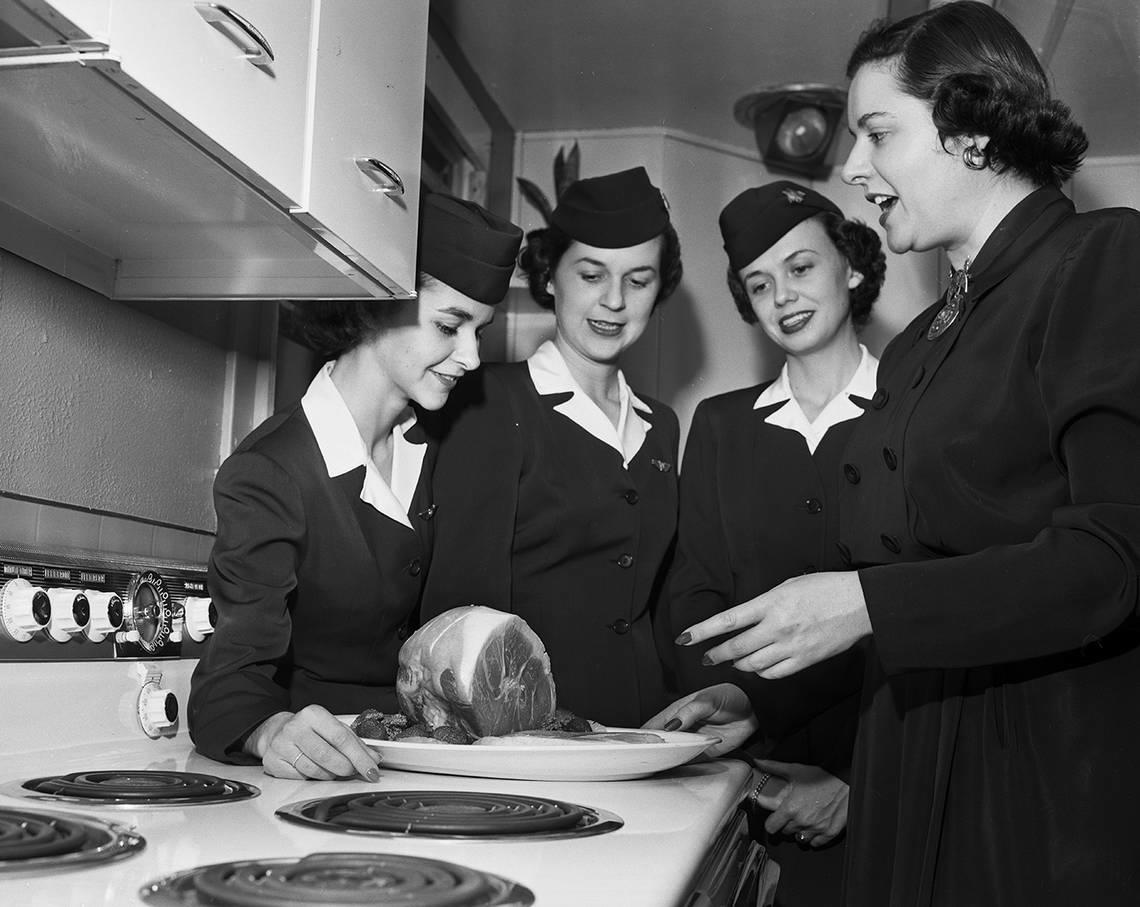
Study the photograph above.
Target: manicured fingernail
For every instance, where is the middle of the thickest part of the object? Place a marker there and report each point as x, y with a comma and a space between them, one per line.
672, 724
373, 775
706, 660
684, 639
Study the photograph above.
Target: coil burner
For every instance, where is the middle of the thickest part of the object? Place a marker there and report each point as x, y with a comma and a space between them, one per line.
337, 878
451, 814
133, 789
43, 841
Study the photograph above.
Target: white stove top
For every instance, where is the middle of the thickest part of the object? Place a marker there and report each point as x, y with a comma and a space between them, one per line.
670, 820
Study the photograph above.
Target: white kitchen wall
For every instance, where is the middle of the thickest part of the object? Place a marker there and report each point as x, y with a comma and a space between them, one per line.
106, 411
698, 345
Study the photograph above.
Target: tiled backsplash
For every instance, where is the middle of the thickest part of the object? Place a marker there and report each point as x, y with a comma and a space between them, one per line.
38, 524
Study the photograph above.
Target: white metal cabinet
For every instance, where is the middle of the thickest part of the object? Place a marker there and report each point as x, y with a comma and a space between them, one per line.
371, 56
238, 71
282, 140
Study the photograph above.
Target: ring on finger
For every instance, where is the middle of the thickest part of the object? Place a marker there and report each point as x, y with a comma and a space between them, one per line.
293, 764
802, 837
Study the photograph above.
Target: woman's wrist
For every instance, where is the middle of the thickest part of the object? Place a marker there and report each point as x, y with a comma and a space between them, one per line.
258, 740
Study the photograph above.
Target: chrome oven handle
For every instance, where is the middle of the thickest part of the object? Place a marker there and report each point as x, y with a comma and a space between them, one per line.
257, 49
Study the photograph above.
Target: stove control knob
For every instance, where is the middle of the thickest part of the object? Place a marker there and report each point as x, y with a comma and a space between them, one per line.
106, 614
70, 613
200, 618
158, 709
24, 609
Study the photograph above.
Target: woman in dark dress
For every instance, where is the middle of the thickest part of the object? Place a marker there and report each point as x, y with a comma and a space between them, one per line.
991, 502
324, 514
759, 490
556, 483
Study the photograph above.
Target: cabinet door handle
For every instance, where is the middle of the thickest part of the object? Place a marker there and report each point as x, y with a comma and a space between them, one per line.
387, 178
257, 50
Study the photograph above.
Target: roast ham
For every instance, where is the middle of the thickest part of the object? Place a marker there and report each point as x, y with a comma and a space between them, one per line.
478, 669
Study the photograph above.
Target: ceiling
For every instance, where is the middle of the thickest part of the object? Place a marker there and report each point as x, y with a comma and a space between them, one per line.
681, 64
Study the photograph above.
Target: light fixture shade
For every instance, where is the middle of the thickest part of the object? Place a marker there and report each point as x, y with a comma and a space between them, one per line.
794, 125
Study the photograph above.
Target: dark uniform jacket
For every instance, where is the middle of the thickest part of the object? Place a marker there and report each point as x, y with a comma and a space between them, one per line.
992, 499
540, 518
314, 589
758, 507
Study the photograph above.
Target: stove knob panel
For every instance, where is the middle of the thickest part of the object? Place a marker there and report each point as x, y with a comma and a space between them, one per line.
106, 614
158, 709
200, 617
70, 613
24, 609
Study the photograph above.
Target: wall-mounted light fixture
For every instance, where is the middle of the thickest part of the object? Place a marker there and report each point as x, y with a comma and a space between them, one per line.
794, 125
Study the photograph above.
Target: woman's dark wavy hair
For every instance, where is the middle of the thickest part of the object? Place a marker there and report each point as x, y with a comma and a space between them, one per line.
857, 243
331, 329
545, 247
980, 77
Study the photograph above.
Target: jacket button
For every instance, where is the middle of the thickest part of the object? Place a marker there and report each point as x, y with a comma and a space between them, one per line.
844, 553
890, 543
918, 376
851, 473
890, 458
880, 399
414, 566
631, 497
620, 626
626, 560
813, 505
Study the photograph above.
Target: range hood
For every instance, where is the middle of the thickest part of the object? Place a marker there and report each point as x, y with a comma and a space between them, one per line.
105, 184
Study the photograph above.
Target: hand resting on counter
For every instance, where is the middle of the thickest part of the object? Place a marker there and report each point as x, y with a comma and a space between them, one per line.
722, 710
811, 806
312, 743
798, 623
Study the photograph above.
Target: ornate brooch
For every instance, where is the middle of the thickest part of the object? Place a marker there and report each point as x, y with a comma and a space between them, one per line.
660, 465
955, 297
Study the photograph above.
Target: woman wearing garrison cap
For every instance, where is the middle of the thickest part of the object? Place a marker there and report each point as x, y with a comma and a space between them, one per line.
324, 513
557, 484
758, 502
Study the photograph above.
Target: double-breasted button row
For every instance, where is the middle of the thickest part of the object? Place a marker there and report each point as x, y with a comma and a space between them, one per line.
631, 496
625, 561
415, 567
890, 458
813, 505
880, 399
620, 626
851, 473
891, 543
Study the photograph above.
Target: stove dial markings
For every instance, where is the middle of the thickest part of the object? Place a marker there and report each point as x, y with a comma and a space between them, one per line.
199, 617
70, 613
157, 707
24, 609
106, 614
149, 613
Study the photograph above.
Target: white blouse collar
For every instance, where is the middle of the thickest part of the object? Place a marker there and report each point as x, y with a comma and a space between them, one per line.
840, 409
343, 449
550, 374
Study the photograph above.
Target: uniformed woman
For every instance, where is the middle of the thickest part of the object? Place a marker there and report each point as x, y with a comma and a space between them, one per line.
991, 502
323, 514
758, 501
557, 483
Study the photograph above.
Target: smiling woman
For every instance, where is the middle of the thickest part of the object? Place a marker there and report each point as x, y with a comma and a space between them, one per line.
324, 513
556, 483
